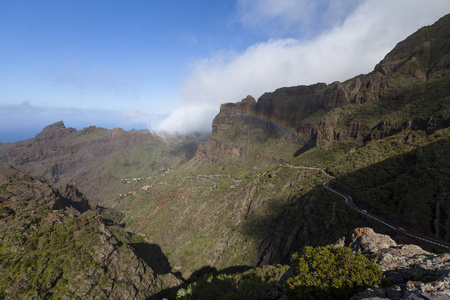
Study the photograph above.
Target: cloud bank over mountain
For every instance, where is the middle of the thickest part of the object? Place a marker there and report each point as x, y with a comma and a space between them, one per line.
358, 35
167, 66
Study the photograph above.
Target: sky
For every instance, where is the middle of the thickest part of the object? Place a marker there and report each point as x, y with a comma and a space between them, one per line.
168, 65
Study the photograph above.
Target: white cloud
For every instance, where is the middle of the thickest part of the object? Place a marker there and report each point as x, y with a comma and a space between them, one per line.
131, 114
305, 17
353, 47
189, 119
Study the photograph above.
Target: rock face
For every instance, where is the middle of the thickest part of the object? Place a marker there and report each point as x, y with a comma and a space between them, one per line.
54, 131
366, 241
414, 272
321, 113
49, 249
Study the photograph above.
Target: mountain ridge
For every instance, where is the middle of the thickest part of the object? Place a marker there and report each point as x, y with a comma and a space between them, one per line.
95, 158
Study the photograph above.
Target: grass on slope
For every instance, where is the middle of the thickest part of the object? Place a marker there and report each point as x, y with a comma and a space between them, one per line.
50, 253
408, 187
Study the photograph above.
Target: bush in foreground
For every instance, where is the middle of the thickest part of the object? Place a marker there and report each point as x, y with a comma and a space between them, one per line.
331, 273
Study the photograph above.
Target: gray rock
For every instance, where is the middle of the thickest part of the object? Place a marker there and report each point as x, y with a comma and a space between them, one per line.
340, 242
429, 296
418, 274
374, 292
366, 241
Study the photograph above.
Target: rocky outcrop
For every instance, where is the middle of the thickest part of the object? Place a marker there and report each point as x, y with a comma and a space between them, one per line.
414, 272
285, 107
366, 241
290, 106
54, 131
216, 150
72, 197
246, 106
49, 249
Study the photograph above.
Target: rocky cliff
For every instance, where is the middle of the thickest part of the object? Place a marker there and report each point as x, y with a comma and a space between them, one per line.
413, 272
50, 249
404, 91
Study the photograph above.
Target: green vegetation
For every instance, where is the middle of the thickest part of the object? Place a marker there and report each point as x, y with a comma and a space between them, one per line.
250, 284
318, 273
405, 187
331, 273
107, 156
204, 226
49, 253
184, 293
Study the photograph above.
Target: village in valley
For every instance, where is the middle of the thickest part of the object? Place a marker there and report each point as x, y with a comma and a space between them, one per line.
195, 182
138, 180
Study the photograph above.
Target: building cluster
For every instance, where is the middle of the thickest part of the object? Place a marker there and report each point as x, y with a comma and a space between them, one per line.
127, 194
127, 180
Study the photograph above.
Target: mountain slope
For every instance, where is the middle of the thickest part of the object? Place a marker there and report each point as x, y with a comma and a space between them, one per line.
95, 158
250, 196
49, 249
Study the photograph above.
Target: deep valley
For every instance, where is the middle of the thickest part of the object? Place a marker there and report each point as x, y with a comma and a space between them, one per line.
131, 215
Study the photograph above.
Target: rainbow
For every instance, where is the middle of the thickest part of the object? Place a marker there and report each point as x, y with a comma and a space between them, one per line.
278, 126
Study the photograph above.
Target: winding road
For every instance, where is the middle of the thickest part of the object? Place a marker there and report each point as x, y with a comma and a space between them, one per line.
349, 202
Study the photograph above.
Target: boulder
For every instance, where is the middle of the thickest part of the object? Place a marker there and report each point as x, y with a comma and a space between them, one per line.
366, 241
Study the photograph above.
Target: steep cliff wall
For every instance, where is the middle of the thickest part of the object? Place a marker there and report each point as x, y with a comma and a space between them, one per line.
405, 91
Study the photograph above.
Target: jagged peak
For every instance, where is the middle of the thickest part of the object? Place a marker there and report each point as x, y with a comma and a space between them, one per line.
249, 100
246, 105
56, 125
54, 131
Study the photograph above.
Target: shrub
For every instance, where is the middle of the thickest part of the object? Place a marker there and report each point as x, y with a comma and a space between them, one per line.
183, 293
331, 273
248, 285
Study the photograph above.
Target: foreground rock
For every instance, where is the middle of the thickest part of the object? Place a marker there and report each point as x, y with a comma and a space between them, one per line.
414, 272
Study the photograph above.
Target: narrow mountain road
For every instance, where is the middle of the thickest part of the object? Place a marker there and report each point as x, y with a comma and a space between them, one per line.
349, 202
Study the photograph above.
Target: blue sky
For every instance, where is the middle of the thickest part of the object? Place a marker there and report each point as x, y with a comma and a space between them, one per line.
168, 65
